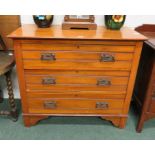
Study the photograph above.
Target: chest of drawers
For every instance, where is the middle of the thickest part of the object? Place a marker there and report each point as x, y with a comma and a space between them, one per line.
76, 72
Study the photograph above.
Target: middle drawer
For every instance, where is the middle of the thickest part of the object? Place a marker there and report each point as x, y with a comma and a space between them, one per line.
50, 80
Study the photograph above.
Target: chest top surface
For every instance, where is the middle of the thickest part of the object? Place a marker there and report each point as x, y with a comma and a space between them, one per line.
31, 31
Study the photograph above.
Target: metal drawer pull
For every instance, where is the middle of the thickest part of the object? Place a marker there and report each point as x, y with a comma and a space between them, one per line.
48, 56
107, 58
102, 105
50, 105
103, 82
48, 80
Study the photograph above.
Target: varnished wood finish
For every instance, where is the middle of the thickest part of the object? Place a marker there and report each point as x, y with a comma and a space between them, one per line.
20, 73
2, 44
29, 121
79, 23
117, 121
64, 79
78, 87
56, 32
90, 18
152, 106
77, 55
63, 72
77, 65
6, 62
8, 23
77, 47
80, 106
79, 72
144, 88
13, 108
78, 94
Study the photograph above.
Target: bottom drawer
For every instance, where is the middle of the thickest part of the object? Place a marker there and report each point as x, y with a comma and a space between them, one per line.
72, 106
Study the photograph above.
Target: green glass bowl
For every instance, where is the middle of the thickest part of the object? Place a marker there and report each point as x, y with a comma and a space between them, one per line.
114, 22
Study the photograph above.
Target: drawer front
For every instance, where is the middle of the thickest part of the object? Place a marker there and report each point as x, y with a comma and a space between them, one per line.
78, 94
50, 78
77, 55
77, 65
71, 87
58, 105
76, 81
78, 47
78, 73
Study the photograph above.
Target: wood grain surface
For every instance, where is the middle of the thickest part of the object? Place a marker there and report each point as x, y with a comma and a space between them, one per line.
31, 31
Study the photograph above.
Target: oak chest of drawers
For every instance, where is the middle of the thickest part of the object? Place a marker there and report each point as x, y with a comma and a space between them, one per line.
76, 72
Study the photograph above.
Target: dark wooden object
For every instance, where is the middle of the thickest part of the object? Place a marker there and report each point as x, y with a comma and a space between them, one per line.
3, 46
79, 23
6, 64
144, 93
1, 96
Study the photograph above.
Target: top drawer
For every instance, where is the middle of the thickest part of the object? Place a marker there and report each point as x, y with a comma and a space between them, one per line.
78, 55
77, 47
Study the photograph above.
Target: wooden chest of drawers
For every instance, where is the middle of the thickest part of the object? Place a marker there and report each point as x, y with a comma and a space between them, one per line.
76, 72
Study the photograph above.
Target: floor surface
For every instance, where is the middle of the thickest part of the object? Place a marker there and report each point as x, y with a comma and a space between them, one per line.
74, 128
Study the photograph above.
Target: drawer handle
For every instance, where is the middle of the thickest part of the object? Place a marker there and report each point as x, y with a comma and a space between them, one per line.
107, 58
50, 105
47, 80
48, 57
102, 105
103, 82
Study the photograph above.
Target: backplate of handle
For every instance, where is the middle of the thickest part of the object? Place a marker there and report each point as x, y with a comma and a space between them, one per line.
48, 80
48, 57
102, 105
50, 105
107, 57
103, 82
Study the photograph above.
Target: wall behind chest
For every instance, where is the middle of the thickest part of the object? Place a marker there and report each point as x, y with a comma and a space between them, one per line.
131, 20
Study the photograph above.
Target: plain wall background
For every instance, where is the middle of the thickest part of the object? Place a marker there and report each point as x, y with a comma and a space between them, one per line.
131, 21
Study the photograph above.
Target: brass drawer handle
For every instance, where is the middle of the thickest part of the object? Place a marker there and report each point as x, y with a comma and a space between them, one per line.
103, 82
50, 105
48, 80
102, 105
48, 57
107, 58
